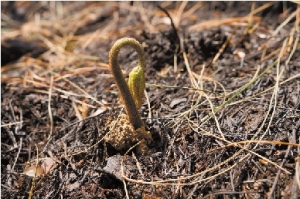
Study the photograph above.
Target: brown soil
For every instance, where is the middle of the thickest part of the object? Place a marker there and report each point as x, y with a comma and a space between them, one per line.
222, 106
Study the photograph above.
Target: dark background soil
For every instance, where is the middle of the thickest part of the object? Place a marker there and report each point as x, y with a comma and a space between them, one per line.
58, 100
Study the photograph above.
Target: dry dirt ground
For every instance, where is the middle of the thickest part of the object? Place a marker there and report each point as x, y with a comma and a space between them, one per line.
222, 100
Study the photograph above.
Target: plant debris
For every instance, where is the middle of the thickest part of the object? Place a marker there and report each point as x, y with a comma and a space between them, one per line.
222, 100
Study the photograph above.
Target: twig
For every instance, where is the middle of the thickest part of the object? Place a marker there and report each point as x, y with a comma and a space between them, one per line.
12, 137
223, 47
34, 178
190, 195
285, 22
14, 117
138, 165
257, 141
9, 124
49, 107
172, 24
17, 156
274, 96
148, 103
231, 180
284, 159
296, 41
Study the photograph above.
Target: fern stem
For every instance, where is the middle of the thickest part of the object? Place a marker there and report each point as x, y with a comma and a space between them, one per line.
127, 98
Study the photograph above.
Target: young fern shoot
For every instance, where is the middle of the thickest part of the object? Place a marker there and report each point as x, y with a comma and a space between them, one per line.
133, 92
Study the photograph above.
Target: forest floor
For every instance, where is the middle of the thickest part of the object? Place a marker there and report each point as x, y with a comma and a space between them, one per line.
222, 100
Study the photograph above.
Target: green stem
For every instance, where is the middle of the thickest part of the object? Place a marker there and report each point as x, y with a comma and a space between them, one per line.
124, 90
